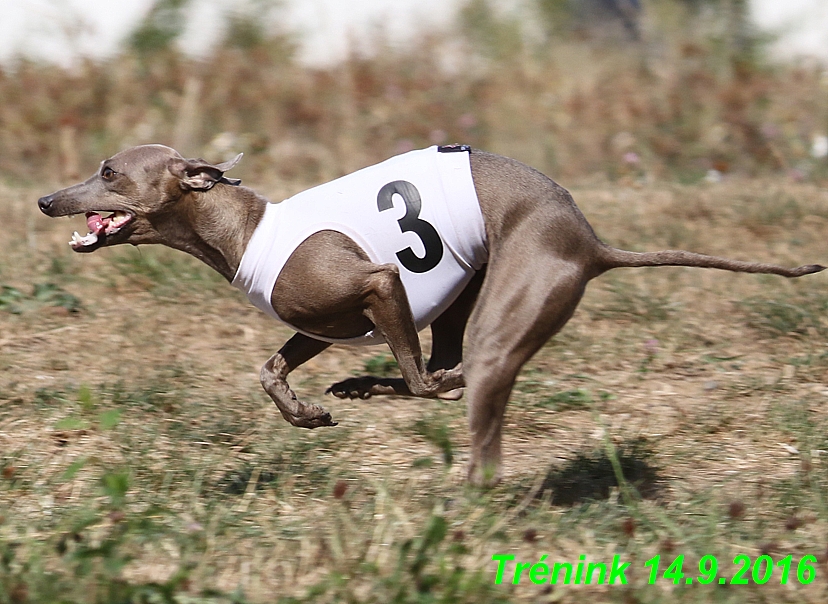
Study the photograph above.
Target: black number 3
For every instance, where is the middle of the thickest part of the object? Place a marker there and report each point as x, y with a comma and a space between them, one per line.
412, 222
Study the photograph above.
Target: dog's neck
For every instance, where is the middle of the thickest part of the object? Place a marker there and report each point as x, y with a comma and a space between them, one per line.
215, 226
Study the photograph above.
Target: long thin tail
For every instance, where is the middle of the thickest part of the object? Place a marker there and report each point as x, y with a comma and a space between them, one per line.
610, 257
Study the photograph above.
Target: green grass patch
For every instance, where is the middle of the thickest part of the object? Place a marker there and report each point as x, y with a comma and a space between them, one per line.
382, 365
631, 302
579, 398
164, 271
796, 316
14, 301
436, 430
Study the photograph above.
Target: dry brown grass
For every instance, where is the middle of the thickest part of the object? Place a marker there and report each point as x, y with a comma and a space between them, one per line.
154, 384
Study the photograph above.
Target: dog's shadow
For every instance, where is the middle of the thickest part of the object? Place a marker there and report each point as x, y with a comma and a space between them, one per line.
591, 476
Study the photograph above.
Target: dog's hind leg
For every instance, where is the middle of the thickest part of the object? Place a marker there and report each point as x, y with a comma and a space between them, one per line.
446, 351
297, 350
448, 329
387, 308
518, 310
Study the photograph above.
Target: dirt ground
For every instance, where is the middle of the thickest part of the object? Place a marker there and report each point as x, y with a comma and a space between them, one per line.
138, 449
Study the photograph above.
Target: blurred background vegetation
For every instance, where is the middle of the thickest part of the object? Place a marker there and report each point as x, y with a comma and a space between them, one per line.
665, 89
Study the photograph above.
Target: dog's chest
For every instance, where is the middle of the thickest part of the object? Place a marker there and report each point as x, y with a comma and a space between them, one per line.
418, 210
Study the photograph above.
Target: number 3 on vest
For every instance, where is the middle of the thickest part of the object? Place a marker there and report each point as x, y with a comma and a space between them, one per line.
412, 222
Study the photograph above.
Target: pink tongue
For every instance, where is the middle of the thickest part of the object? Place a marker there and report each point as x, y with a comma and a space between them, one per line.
95, 222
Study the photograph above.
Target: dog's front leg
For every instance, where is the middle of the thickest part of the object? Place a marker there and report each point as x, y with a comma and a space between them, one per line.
297, 350
389, 311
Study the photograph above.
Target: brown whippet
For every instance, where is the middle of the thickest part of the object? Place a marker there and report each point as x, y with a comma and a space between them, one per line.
541, 254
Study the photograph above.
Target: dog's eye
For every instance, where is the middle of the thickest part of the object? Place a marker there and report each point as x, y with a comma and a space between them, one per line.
108, 173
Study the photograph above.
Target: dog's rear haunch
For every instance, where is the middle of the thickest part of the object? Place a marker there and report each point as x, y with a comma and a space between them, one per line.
473, 244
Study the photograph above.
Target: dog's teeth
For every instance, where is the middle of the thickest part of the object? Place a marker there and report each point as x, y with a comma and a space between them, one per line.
89, 239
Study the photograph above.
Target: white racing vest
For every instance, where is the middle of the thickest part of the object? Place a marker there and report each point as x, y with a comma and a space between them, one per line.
418, 210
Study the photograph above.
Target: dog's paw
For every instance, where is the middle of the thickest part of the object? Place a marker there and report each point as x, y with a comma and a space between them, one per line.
451, 395
358, 387
313, 416
445, 384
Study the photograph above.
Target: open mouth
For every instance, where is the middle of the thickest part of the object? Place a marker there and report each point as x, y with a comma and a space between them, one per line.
99, 227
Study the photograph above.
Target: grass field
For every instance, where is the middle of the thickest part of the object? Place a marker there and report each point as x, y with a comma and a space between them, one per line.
140, 461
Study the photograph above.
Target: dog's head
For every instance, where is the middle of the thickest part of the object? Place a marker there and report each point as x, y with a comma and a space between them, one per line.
139, 189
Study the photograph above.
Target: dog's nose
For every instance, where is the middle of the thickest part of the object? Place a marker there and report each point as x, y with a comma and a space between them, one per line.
44, 203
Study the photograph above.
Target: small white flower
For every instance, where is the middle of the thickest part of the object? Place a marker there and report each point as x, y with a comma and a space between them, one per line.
819, 147
713, 176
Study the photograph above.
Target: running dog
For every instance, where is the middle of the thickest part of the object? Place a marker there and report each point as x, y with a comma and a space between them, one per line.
472, 244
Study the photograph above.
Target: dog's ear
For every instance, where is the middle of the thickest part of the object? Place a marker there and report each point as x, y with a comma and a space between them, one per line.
199, 175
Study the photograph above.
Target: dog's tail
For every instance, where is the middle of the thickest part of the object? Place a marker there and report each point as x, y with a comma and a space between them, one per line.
610, 257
